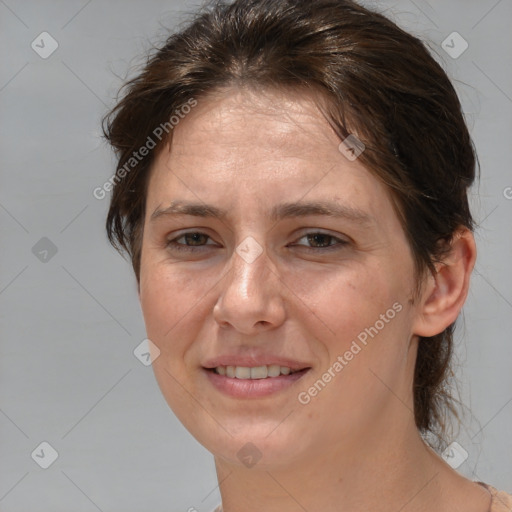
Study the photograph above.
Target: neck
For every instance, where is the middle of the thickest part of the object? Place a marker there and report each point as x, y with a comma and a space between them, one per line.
403, 470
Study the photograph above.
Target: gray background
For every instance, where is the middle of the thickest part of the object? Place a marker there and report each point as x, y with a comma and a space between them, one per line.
71, 320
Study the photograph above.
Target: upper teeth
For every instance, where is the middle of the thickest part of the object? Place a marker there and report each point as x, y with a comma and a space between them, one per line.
256, 372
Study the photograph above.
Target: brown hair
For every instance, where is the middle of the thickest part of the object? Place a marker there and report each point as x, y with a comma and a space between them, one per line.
377, 82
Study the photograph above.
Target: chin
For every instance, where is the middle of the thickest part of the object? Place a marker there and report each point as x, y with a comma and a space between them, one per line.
250, 446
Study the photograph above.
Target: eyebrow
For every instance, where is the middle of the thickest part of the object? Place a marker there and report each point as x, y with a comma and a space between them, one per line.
279, 212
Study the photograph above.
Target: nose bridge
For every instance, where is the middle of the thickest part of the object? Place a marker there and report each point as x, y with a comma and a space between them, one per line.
250, 293
249, 263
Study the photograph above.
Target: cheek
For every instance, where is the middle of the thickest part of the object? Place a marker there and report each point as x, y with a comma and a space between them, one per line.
366, 326
351, 301
169, 303
365, 320
371, 318
169, 300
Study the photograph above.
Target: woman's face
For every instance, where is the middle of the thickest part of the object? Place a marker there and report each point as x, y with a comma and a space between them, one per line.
269, 283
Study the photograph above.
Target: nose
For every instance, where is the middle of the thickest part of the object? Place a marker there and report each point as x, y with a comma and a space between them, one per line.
250, 298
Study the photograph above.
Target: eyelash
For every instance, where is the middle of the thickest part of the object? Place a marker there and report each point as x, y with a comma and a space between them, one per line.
173, 245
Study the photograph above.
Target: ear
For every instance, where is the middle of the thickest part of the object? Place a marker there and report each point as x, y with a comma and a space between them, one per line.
445, 292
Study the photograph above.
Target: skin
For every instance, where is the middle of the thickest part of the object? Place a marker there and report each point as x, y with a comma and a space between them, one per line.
355, 445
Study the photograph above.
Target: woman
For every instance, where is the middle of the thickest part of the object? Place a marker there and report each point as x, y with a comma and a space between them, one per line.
295, 208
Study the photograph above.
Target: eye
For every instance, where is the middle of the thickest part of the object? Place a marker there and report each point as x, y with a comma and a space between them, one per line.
196, 238
321, 241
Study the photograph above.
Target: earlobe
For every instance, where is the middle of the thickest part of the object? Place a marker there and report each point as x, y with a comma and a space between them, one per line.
446, 291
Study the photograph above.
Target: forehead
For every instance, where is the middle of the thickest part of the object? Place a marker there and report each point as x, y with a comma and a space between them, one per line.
247, 145
255, 123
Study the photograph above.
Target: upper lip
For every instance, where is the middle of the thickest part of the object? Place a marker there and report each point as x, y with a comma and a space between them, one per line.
251, 361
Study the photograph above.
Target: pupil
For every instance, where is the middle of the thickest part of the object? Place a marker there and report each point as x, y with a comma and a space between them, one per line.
318, 236
194, 236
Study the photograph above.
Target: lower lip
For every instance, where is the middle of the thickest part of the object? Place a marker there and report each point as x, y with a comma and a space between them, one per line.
253, 388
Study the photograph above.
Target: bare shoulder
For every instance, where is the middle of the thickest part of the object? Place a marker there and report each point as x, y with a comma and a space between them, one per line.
501, 500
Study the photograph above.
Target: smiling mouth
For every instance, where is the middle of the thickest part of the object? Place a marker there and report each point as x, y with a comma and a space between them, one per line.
255, 372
